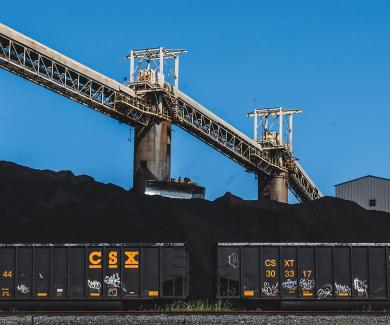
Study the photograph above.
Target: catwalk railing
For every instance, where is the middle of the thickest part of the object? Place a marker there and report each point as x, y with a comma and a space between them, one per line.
50, 69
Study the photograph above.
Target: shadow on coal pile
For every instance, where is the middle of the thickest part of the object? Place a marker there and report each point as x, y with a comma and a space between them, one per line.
47, 206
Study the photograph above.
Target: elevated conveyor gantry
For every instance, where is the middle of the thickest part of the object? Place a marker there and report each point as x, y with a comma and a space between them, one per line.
38, 63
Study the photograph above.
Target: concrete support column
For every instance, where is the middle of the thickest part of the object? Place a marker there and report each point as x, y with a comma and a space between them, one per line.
152, 154
273, 187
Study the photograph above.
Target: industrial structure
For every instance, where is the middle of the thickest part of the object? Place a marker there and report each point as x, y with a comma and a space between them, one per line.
152, 102
268, 132
175, 189
370, 192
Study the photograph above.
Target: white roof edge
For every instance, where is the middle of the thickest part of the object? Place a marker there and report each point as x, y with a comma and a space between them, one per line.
383, 179
62, 59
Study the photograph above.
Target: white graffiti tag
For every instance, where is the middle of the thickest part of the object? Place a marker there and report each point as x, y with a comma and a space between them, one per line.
360, 286
112, 280
96, 285
233, 260
306, 284
23, 288
325, 291
342, 289
270, 290
289, 284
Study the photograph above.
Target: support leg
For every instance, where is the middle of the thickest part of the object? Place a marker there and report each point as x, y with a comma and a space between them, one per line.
273, 187
152, 154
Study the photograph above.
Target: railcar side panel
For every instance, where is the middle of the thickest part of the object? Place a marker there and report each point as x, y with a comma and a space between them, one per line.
112, 272
8, 271
94, 263
229, 271
59, 272
307, 271
93, 271
270, 272
359, 261
250, 270
173, 272
76, 272
130, 272
289, 272
304, 271
324, 272
378, 272
24, 272
41, 272
342, 272
149, 272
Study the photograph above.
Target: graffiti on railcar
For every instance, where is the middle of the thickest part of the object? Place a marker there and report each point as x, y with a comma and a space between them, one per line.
23, 288
112, 280
342, 290
270, 290
306, 284
360, 286
95, 285
233, 260
289, 284
325, 291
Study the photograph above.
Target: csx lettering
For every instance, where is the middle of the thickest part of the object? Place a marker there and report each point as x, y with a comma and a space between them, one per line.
95, 260
270, 262
289, 262
131, 262
113, 259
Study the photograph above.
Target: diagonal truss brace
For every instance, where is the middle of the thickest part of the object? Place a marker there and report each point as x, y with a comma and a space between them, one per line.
74, 81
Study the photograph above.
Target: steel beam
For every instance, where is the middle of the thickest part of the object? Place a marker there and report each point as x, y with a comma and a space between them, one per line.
52, 70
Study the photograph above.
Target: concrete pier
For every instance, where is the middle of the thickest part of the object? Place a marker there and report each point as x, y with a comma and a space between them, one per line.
152, 154
273, 187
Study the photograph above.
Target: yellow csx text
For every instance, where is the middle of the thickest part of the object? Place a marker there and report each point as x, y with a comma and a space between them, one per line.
270, 262
113, 260
131, 262
95, 260
289, 262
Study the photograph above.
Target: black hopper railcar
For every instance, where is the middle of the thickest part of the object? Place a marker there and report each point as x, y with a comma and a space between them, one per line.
304, 272
92, 272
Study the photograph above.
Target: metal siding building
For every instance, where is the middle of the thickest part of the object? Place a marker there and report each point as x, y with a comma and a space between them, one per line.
371, 192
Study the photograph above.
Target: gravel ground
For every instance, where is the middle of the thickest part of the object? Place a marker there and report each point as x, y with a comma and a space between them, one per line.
192, 320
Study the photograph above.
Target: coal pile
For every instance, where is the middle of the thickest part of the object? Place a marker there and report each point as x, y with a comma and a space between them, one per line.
46, 206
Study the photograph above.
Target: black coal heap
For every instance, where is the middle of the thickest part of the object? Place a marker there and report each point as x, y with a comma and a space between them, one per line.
47, 206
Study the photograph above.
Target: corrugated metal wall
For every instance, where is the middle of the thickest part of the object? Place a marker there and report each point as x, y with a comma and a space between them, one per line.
365, 189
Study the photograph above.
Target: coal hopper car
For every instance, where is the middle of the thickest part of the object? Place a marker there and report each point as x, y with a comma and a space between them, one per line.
83, 272
304, 272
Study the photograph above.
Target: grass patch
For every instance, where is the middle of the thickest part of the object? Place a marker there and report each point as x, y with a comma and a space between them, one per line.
198, 306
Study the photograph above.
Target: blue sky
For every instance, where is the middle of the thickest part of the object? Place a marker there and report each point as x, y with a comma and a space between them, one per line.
329, 58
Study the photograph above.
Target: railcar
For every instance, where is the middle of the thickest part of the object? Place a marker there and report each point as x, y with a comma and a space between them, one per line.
92, 272
303, 272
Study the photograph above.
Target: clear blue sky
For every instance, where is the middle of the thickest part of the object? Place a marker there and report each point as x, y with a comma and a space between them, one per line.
330, 58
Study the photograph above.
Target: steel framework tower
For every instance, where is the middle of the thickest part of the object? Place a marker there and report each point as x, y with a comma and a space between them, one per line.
152, 143
145, 104
273, 130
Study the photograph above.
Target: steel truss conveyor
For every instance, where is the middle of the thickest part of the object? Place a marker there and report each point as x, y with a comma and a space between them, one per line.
50, 69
